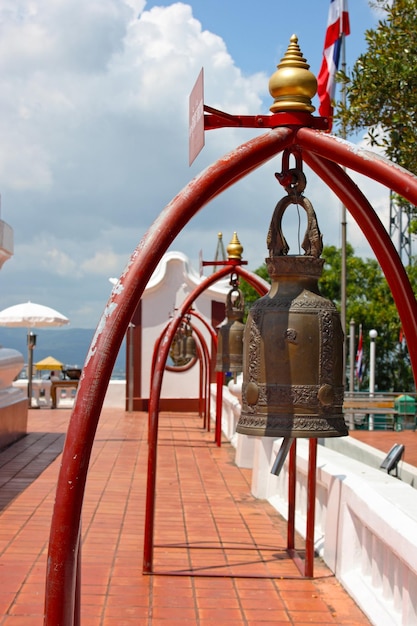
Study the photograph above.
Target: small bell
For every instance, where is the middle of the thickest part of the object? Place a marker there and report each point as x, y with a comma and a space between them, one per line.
175, 349
179, 348
190, 347
230, 333
293, 340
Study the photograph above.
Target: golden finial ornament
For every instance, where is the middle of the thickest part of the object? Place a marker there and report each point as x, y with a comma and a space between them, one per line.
293, 85
235, 248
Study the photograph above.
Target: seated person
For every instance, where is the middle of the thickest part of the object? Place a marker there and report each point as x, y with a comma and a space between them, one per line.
54, 376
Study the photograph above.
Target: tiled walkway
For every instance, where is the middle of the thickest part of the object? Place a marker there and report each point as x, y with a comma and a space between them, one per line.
206, 521
384, 440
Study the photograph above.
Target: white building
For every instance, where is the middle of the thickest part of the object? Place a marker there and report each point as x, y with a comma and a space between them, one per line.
13, 402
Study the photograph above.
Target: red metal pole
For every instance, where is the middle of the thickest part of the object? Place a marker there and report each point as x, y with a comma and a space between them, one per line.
292, 456
258, 283
154, 396
155, 393
206, 367
206, 387
156, 348
77, 601
200, 389
214, 340
158, 366
360, 160
62, 554
219, 406
311, 507
334, 176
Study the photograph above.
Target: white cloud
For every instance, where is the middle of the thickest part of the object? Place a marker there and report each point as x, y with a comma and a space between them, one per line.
103, 263
94, 128
59, 263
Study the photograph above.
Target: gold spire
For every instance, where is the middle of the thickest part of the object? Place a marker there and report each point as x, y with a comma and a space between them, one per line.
235, 248
293, 85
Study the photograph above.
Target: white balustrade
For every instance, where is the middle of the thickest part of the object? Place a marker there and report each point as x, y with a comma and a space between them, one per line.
365, 522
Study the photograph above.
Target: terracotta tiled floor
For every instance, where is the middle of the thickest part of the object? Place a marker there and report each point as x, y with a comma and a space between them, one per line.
207, 523
384, 440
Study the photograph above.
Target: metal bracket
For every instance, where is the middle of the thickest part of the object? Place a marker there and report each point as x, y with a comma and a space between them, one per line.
219, 119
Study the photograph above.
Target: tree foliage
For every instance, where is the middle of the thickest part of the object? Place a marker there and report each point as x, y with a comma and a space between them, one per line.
381, 96
249, 293
382, 86
370, 304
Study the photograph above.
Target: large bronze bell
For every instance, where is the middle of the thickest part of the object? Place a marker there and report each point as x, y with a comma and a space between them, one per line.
293, 341
230, 333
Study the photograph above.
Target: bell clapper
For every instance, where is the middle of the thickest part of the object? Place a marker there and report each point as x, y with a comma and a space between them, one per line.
282, 455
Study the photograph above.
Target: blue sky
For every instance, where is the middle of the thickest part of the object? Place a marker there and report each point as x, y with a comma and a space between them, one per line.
94, 127
257, 34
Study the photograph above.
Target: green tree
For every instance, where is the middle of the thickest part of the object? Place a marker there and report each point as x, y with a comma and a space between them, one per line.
382, 86
381, 90
370, 303
249, 293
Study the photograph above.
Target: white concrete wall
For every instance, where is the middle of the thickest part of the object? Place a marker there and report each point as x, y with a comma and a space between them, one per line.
365, 529
365, 523
115, 395
173, 281
13, 401
370, 456
6, 242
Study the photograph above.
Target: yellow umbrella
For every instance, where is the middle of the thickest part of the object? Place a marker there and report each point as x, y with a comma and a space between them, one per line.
49, 363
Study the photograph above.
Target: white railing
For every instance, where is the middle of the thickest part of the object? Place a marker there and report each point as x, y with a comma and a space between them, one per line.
365, 523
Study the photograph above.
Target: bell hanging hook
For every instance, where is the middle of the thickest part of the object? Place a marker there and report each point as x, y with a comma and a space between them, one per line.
234, 280
292, 179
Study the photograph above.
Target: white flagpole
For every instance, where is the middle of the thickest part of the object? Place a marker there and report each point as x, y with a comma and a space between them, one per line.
343, 215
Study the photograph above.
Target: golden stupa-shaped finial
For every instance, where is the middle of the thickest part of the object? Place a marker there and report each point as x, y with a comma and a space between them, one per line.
235, 248
293, 85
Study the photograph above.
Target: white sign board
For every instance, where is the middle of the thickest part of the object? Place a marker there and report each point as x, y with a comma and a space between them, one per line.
196, 118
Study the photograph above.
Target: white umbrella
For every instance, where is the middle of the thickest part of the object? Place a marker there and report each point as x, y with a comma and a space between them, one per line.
31, 315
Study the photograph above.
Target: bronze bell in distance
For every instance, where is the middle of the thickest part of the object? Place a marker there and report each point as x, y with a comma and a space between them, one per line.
293, 341
230, 333
183, 348
190, 346
175, 351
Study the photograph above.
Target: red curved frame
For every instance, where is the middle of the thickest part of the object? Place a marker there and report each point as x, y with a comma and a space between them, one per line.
214, 340
158, 369
204, 358
61, 604
179, 370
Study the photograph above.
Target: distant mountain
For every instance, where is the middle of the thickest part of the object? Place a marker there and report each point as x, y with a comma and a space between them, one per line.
68, 345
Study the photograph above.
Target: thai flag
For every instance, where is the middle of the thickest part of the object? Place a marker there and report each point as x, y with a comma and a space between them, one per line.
337, 26
359, 355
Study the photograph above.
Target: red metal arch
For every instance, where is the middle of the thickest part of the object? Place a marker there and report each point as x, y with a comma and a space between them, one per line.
324, 154
213, 336
204, 358
61, 605
158, 369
